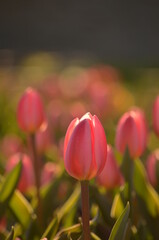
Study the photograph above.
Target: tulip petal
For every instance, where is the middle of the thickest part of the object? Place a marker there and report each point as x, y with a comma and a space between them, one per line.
79, 154
30, 111
100, 144
70, 129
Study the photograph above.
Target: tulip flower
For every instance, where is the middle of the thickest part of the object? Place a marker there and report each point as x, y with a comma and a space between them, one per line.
27, 177
132, 133
85, 148
155, 115
111, 176
30, 112
85, 152
151, 167
31, 118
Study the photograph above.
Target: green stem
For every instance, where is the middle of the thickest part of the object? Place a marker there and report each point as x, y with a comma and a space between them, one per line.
37, 176
85, 209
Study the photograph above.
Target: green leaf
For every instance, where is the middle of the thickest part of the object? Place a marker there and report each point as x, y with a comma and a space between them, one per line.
69, 204
77, 228
9, 183
17, 203
117, 206
144, 189
120, 225
94, 236
11, 235
103, 203
22, 209
60, 213
51, 230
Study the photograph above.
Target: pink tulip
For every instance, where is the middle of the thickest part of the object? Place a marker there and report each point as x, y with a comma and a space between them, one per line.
27, 176
111, 176
132, 133
151, 167
49, 172
155, 115
85, 147
30, 112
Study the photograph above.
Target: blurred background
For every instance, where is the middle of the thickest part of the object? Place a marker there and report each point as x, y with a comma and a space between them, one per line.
97, 56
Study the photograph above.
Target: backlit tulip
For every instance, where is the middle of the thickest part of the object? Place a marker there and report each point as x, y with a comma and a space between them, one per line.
27, 177
85, 147
155, 115
110, 177
151, 167
132, 133
30, 112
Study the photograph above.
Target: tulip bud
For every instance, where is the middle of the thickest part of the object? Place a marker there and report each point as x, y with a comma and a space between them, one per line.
155, 115
85, 148
27, 177
110, 177
151, 167
132, 133
30, 112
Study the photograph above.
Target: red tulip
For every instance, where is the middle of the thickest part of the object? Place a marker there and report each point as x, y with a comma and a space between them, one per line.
85, 148
155, 115
151, 167
27, 176
30, 112
110, 177
132, 133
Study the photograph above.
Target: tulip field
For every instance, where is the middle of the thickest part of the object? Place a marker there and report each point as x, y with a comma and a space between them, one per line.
79, 152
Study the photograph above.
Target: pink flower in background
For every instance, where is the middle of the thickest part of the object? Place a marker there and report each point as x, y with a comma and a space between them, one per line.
30, 112
110, 177
151, 167
85, 147
27, 177
49, 172
77, 109
100, 97
10, 145
43, 140
155, 115
49, 87
132, 133
59, 115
